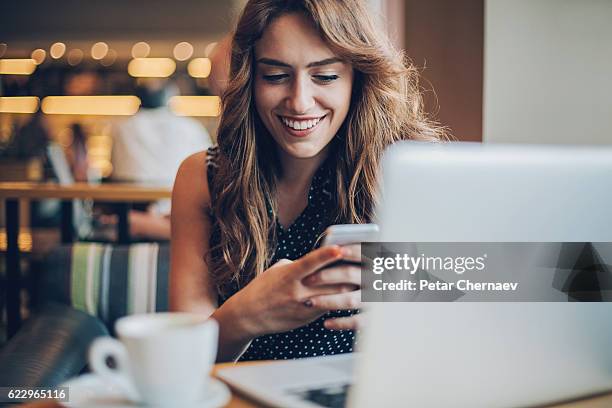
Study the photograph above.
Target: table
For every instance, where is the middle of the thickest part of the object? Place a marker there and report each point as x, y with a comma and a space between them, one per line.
11, 192
240, 401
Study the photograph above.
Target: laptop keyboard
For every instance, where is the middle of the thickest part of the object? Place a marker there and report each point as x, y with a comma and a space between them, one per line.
331, 396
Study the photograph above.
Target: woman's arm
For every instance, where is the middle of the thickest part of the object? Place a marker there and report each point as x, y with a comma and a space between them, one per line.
275, 301
191, 288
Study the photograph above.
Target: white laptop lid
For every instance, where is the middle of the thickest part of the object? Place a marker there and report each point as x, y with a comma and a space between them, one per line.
489, 354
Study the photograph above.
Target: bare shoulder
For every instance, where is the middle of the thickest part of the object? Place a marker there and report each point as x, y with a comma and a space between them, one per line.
191, 182
191, 288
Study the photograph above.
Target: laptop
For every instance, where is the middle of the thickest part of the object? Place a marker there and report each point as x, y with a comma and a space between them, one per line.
465, 354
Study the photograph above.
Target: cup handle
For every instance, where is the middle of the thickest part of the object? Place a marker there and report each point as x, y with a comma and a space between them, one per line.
103, 348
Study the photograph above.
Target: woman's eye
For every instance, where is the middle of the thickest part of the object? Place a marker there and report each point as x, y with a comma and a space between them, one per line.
275, 77
326, 78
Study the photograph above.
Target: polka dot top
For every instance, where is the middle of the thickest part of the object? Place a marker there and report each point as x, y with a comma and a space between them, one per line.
294, 242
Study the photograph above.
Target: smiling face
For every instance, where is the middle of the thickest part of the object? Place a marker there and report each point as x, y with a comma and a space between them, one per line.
302, 90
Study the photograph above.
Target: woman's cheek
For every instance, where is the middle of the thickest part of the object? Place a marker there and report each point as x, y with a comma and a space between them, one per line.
268, 97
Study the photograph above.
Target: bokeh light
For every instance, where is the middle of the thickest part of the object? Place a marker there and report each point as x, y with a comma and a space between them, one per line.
75, 56
18, 104
17, 66
183, 51
199, 67
141, 50
151, 67
91, 105
57, 50
99, 50
110, 58
39, 55
195, 105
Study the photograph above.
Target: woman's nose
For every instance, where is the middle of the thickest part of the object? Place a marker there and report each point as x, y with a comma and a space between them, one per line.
301, 97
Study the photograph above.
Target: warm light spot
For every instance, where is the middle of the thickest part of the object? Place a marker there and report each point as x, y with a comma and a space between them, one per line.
209, 49
99, 50
18, 104
183, 51
3, 48
102, 142
39, 55
96, 151
99, 147
6, 131
199, 67
16, 66
141, 50
91, 105
151, 67
75, 57
104, 167
195, 105
57, 50
110, 58
65, 137
24, 241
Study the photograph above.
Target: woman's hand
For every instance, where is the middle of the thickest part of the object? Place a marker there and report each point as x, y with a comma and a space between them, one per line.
279, 300
346, 276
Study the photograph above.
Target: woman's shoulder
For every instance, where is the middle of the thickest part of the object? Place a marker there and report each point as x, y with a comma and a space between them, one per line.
200, 163
192, 179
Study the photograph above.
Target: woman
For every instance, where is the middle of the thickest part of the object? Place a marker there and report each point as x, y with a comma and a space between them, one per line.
315, 96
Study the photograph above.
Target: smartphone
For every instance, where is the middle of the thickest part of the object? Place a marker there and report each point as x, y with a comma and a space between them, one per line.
347, 234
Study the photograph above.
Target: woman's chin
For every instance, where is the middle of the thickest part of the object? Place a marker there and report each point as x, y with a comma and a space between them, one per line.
303, 150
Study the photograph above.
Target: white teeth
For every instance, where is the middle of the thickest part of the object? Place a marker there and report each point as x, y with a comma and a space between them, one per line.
300, 124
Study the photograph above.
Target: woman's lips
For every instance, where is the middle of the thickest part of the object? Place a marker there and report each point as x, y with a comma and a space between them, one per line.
309, 125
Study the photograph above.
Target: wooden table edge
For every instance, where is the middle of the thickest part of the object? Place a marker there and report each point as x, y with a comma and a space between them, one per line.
239, 400
99, 192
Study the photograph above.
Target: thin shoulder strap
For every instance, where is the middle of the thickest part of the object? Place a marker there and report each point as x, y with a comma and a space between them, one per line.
212, 154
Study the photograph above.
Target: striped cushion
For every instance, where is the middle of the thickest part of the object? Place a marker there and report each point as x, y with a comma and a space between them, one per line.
107, 281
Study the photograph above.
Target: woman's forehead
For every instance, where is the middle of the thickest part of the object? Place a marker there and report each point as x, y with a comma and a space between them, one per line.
293, 39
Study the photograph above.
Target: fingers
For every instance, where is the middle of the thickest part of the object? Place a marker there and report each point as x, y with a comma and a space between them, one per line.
351, 252
315, 291
353, 322
281, 262
340, 274
315, 260
338, 301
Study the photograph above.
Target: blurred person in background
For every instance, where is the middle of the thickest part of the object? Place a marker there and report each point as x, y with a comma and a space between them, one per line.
77, 154
149, 147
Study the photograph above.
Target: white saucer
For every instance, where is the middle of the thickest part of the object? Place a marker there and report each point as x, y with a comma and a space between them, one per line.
91, 391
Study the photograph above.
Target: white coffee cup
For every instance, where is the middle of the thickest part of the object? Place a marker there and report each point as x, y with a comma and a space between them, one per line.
161, 358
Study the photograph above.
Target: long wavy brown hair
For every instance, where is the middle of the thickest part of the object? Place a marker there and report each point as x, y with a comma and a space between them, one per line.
386, 106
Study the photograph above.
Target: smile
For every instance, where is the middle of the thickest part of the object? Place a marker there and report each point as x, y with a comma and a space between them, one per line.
300, 124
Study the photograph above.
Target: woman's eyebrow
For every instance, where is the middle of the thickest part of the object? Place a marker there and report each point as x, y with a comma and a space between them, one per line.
277, 63
327, 61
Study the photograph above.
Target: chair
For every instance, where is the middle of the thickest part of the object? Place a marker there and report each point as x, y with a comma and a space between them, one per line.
79, 293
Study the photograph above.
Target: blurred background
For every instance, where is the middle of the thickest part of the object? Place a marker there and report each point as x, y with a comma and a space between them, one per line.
75, 48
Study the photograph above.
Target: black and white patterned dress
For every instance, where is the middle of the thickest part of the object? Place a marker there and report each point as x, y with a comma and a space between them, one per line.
292, 243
